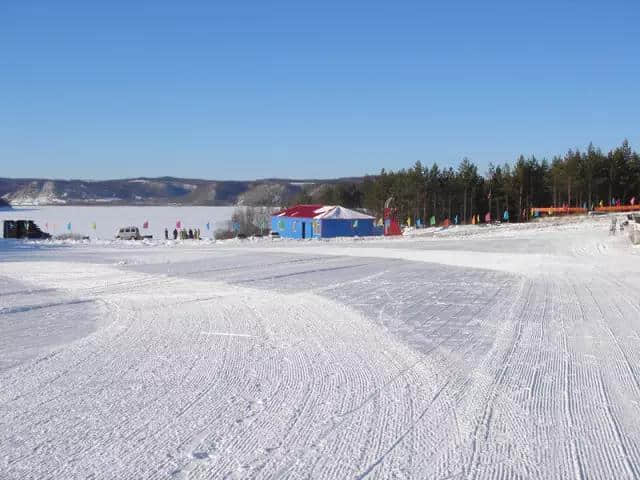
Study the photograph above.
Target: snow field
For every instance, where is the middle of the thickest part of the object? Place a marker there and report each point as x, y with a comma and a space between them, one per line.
415, 358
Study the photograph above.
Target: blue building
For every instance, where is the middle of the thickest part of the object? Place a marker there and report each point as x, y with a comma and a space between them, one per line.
319, 221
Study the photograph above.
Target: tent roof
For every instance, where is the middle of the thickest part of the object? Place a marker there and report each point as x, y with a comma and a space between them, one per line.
302, 211
322, 212
337, 212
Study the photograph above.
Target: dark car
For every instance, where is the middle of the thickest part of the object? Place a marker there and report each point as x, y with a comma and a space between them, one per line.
23, 229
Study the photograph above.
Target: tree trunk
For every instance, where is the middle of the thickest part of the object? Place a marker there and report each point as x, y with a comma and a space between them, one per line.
520, 204
465, 205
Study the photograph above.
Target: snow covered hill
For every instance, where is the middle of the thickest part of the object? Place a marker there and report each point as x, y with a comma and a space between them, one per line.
153, 191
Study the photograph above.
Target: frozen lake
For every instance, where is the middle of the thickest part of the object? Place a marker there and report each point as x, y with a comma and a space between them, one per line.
107, 220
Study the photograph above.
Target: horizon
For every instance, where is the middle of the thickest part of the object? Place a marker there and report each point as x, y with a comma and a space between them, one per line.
294, 91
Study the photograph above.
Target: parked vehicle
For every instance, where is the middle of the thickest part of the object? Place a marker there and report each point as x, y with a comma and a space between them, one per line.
129, 233
23, 229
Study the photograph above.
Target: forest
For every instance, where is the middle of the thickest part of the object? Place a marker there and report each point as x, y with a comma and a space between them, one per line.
583, 179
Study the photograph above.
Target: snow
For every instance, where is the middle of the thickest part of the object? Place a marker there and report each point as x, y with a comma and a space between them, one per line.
501, 352
337, 212
109, 219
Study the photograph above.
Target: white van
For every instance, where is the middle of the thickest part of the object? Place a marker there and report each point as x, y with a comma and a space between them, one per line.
129, 233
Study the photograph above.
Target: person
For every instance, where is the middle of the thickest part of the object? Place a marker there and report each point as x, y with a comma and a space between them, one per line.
190, 234
175, 234
166, 234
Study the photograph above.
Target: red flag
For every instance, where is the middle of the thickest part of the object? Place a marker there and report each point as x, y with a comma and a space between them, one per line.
145, 224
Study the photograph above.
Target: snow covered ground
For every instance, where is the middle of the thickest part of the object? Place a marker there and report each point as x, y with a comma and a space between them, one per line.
508, 352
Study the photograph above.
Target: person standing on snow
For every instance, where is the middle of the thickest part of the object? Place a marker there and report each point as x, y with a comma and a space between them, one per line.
166, 234
175, 234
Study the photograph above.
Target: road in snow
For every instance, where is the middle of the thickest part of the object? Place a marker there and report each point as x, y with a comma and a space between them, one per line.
509, 354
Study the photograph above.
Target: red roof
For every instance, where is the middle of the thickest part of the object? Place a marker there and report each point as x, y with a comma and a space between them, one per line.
301, 211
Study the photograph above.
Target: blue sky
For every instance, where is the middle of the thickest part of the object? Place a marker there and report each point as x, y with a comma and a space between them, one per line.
243, 90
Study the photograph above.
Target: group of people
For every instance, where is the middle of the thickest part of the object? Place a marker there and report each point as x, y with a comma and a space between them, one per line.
183, 234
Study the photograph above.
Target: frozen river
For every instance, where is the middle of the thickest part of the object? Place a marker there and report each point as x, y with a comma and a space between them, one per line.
108, 219
498, 353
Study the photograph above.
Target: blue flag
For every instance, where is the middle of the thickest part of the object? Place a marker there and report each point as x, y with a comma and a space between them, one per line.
208, 226
69, 226
505, 216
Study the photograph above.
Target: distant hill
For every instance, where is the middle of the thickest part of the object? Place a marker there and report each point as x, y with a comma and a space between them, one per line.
156, 191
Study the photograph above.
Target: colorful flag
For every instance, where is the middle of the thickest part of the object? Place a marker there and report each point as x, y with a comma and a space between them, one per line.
178, 224
93, 225
145, 224
208, 226
633, 200
487, 217
69, 226
432, 221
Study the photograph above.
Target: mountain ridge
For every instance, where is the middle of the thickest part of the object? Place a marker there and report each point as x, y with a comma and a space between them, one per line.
165, 190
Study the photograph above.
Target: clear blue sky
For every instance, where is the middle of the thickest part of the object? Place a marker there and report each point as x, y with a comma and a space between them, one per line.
242, 90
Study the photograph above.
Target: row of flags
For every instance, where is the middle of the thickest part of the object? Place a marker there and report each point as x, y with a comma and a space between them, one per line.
475, 219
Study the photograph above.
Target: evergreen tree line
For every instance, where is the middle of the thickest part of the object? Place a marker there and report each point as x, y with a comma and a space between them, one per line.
578, 179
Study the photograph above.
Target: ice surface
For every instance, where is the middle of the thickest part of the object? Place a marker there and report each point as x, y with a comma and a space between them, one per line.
505, 352
108, 219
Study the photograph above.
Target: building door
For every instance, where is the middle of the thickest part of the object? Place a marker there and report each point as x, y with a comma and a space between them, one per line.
304, 224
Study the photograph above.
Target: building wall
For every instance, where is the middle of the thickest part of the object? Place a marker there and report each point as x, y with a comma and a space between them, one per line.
347, 228
291, 227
